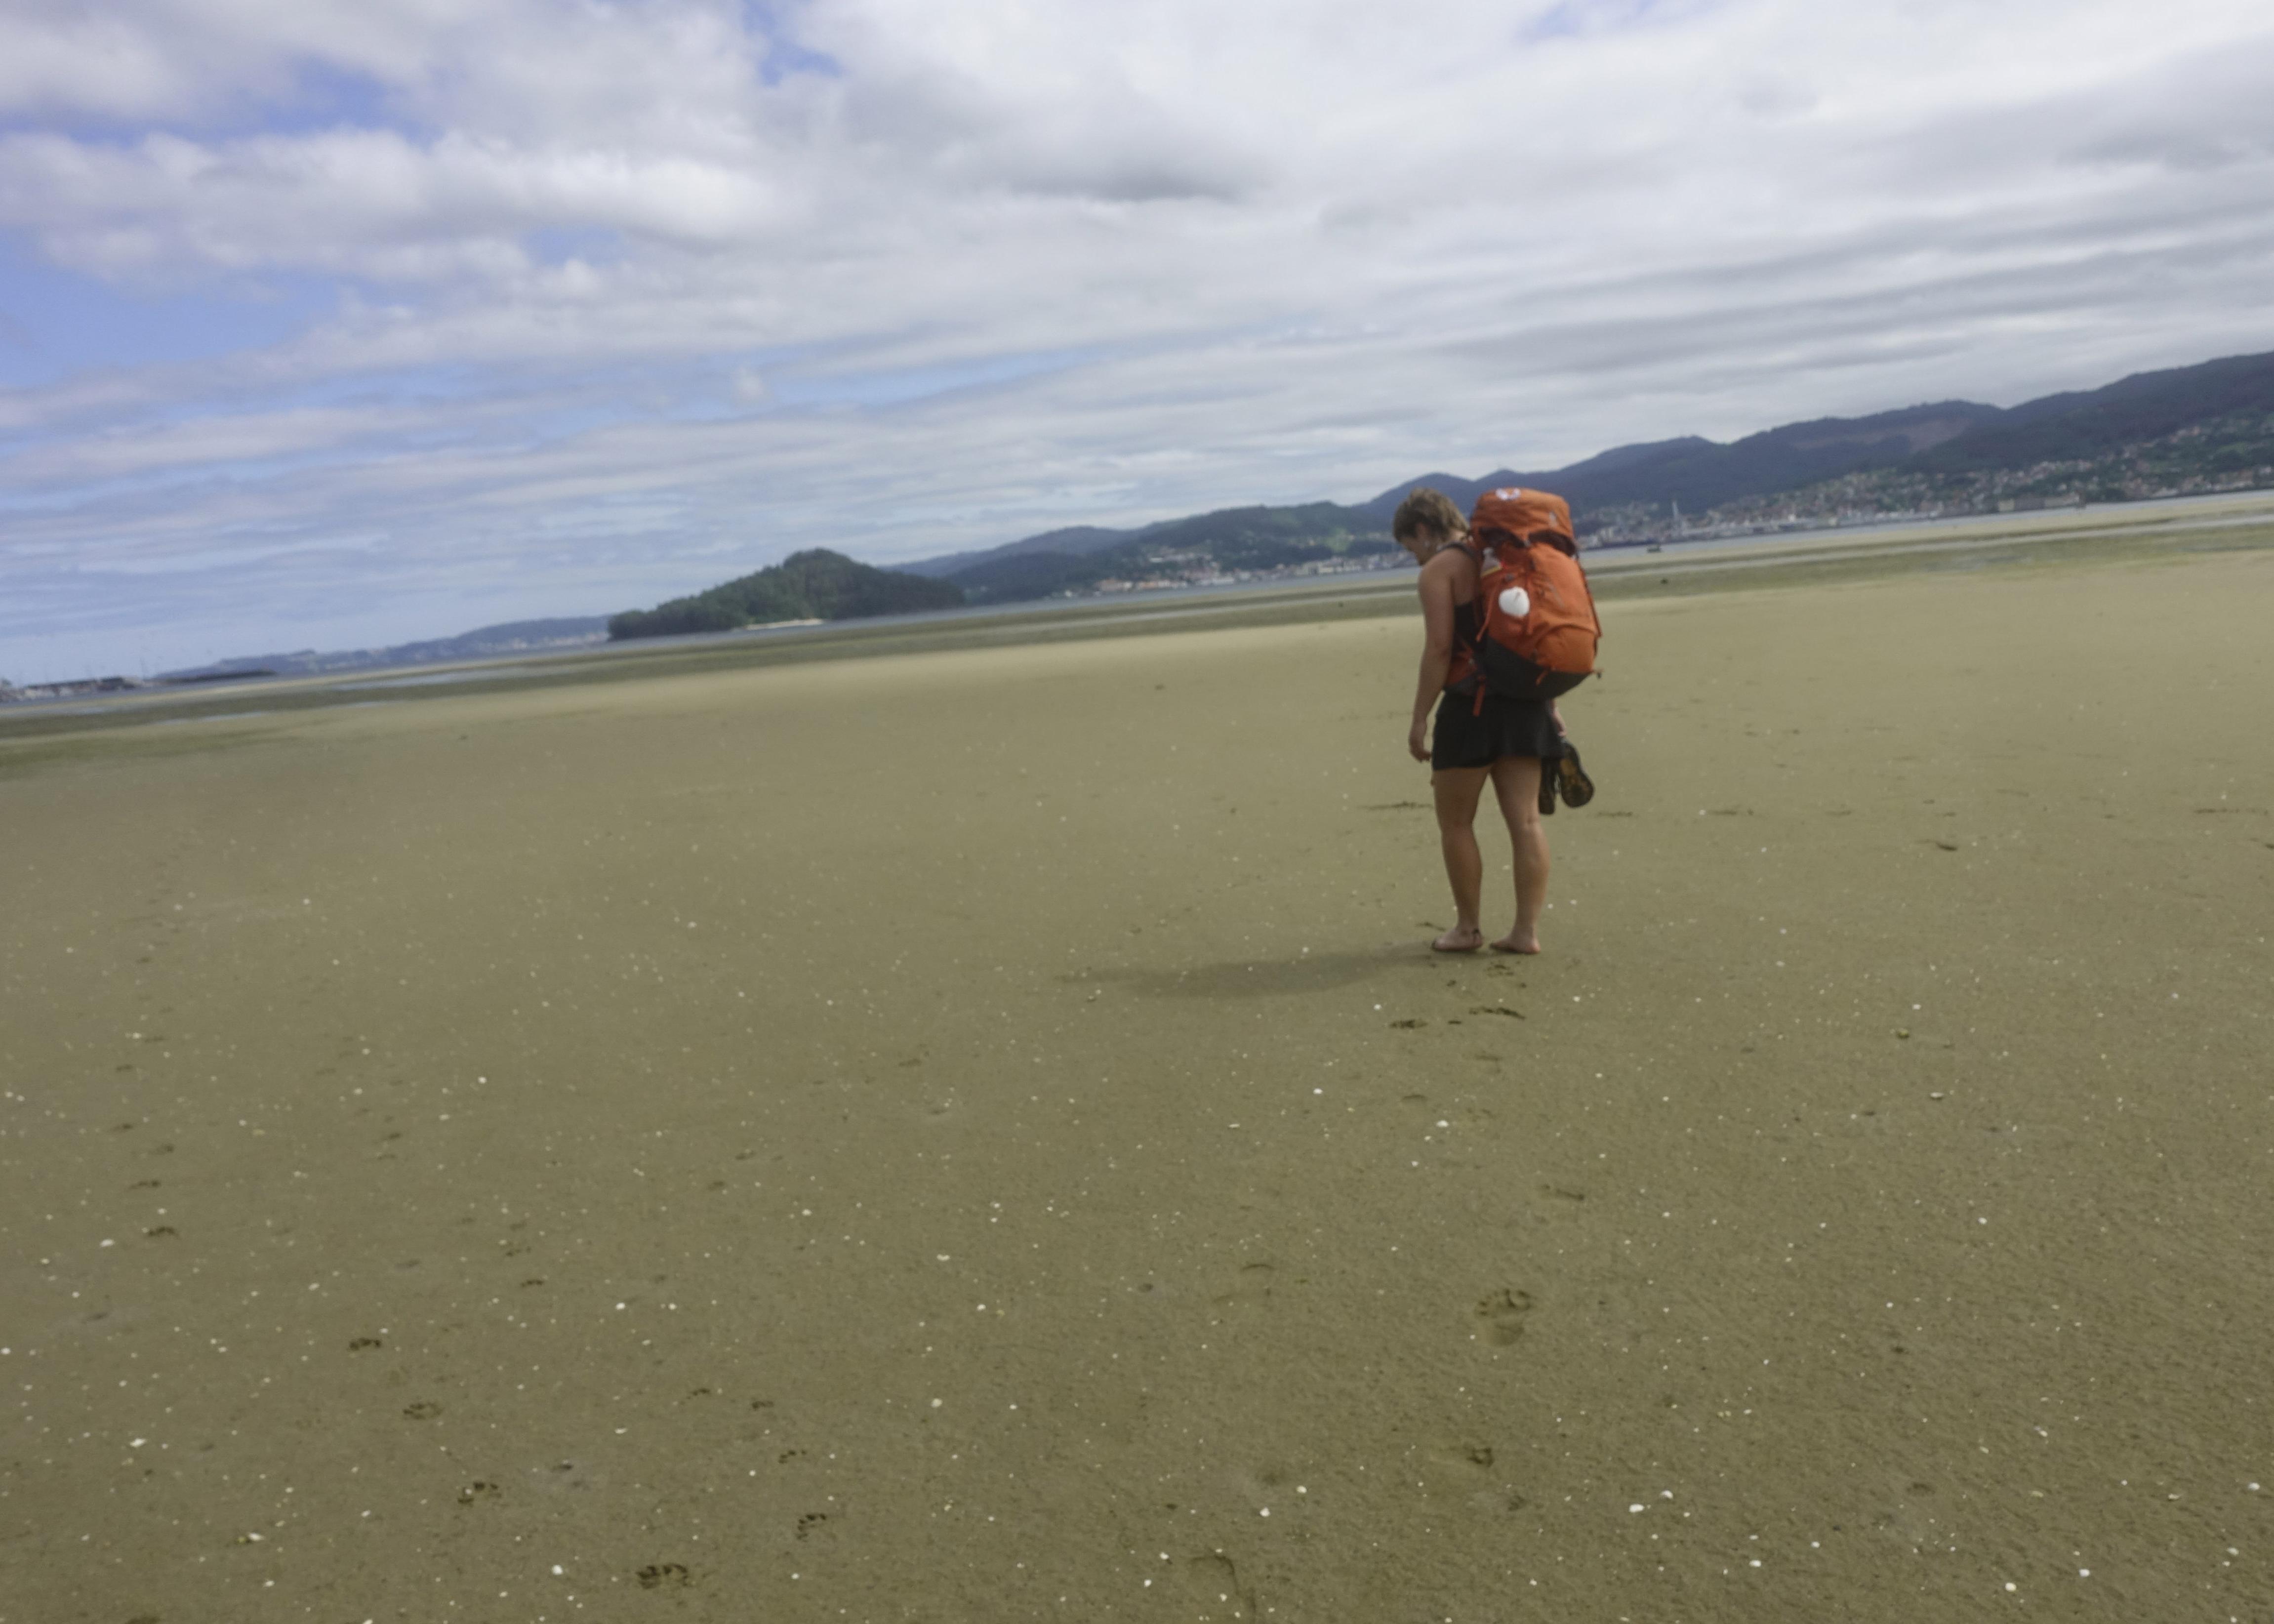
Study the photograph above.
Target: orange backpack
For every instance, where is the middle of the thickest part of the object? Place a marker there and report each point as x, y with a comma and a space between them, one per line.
1539, 626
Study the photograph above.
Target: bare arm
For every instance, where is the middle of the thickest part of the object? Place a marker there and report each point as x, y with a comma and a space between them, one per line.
1436, 647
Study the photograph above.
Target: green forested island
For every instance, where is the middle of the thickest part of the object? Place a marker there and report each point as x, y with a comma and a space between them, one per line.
813, 585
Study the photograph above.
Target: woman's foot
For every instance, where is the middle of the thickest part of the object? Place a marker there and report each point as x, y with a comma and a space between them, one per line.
1459, 939
1512, 943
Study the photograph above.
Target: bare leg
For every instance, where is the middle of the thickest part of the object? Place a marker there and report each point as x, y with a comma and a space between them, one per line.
1516, 782
1458, 789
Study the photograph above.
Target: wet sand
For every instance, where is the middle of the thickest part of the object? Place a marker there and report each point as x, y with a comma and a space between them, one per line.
975, 1135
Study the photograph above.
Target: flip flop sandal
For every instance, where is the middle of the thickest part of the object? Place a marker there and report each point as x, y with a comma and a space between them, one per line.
1547, 791
1571, 778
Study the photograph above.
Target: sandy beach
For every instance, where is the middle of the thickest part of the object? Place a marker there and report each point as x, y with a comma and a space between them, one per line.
975, 1133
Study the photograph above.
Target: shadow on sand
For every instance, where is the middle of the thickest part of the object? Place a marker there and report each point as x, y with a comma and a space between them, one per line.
1272, 978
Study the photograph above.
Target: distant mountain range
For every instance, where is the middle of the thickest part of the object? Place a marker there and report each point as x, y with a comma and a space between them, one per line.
2203, 427
1229, 543
485, 643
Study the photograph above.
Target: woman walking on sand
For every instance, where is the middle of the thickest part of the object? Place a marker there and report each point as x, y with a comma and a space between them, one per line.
1505, 740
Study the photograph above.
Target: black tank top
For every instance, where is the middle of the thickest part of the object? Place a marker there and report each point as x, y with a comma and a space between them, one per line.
1468, 630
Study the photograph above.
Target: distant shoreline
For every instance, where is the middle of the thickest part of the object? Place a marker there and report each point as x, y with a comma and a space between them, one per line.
1622, 572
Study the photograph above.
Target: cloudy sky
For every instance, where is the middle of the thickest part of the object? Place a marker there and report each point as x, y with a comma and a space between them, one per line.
350, 321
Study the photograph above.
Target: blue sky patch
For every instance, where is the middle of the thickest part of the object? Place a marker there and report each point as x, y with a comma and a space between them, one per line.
783, 54
56, 322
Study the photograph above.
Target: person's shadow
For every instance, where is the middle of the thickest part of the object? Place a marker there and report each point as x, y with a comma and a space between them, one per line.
1275, 978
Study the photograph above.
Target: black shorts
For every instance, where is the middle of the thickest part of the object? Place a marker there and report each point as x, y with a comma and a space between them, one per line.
1467, 737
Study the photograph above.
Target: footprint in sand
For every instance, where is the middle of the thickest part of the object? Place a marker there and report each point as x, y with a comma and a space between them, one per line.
810, 1521
657, 1575
1266, 1484
1500, 1317
422, 1410
560, 1477
1210, 1584
1465, 1470
474, 1491
1250, 1286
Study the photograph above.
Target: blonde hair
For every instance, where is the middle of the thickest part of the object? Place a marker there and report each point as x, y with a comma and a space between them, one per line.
1426, 509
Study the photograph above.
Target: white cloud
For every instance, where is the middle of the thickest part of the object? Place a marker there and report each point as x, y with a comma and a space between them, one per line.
630, 296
